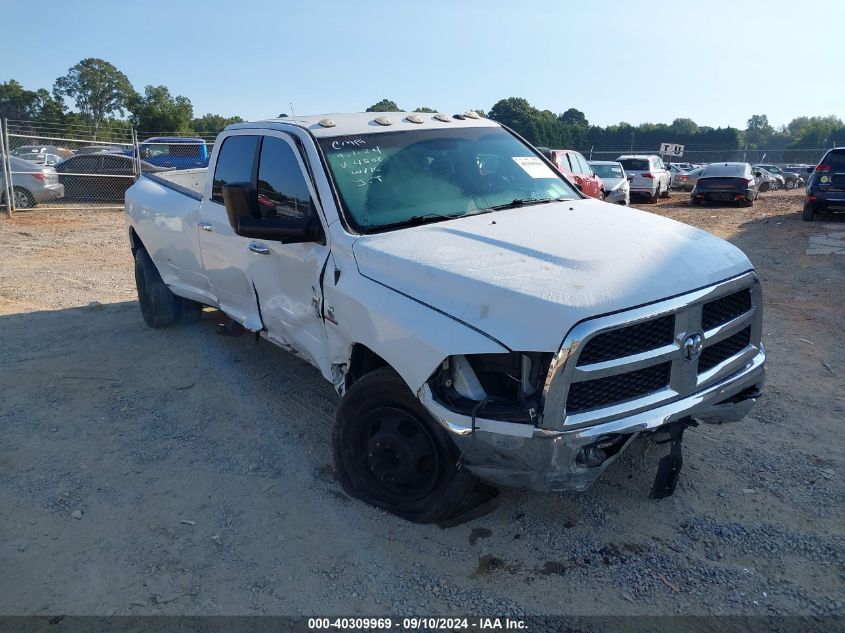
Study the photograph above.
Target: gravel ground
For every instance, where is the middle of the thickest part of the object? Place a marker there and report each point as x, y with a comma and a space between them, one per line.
128, 485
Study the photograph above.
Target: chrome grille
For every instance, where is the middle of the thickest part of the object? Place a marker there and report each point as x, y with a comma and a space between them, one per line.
720, 311
592, 394
723, 350
625, 341
618, 365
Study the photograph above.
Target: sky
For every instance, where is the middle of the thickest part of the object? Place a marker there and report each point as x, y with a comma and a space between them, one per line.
712, 61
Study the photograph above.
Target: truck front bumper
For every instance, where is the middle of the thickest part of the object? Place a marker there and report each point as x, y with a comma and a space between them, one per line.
525, 456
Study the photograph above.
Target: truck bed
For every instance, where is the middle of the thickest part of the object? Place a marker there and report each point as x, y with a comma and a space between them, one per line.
188, 181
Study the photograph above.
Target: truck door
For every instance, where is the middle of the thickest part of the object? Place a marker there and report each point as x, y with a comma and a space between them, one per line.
225, 254
287, 277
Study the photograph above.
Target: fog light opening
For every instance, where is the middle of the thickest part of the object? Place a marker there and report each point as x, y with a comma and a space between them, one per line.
595, 454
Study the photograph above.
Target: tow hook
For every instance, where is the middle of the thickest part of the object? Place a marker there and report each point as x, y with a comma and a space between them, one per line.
669, 468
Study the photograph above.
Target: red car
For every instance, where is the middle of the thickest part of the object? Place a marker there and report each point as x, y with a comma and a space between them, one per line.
575, 167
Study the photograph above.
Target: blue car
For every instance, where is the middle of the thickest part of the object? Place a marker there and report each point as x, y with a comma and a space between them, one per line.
176, 152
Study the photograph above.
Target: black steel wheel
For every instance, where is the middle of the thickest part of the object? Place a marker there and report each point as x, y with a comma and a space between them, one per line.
401, 456
389, 453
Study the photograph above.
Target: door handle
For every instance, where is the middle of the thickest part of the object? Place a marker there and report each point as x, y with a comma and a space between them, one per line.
257, 247
205, 226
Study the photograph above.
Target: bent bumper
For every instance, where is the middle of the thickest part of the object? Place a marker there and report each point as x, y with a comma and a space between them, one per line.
523, 456
618, 197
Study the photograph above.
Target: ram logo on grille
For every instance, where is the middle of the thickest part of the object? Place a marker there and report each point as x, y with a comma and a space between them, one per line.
692, 346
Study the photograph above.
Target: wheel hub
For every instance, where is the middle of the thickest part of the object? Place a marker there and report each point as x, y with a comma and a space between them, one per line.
400, 455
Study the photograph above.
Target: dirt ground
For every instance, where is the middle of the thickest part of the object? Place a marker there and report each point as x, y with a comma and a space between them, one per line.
180, 472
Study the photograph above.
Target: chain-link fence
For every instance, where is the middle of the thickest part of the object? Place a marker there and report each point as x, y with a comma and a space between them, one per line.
53, 166
718, 154
59, 165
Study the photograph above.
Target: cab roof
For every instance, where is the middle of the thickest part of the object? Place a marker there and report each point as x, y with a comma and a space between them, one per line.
331, 125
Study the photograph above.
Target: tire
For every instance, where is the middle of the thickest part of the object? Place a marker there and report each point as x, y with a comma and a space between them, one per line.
389, 453
808, 214
791, 184
23, 198
764, 186
159, 306
665, 194
694, 202
652, 198
748, 203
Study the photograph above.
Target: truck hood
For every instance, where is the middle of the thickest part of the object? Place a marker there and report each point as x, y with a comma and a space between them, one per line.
525, 276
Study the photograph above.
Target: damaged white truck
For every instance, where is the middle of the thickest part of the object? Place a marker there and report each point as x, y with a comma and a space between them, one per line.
480, 317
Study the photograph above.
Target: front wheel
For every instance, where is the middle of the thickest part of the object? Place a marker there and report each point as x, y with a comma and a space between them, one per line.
389, 453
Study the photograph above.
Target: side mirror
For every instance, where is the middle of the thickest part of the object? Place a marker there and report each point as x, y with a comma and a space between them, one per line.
241, 201
758, 174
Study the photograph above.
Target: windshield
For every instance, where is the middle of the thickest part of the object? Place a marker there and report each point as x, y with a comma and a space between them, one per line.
608, 171
391, 178
771, 168
635, 164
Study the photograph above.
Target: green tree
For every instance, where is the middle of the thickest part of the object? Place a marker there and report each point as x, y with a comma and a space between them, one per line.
684, 127
758, 130
158, 111
423, 109
98, 88
385, 105
16, 102
574, 117
212, 123
516, 113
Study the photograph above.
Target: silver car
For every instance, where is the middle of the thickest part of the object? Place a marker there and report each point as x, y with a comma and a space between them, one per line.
685, 181
768, 181
616, 186
33, 183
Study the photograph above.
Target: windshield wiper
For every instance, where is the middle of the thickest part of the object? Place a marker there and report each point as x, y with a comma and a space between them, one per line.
524, 202
414, 220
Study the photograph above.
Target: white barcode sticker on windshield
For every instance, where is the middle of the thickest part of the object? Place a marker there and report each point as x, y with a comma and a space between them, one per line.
534, 167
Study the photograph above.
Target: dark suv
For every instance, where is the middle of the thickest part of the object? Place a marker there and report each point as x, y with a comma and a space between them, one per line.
826, 188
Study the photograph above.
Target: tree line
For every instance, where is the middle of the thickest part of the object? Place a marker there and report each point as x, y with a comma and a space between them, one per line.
107, 103
571, 129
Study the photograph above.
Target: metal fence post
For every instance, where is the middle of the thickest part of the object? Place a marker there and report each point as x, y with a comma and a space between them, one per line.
8, 187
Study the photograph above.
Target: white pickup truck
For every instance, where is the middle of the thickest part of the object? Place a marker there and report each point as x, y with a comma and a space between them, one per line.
481, 319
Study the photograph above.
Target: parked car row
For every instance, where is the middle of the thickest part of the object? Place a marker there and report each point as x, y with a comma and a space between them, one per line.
614, 181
